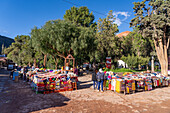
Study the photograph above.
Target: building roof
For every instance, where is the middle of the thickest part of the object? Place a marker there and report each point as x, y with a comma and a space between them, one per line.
125, 33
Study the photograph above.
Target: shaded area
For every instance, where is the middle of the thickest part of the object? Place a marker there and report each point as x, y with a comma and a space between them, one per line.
85, 86
84, 82
19, 98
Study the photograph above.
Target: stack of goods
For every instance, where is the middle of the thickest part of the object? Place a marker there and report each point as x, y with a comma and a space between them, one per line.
129, 86
130, 82
148, 83
120, 85
156, 81
43, 82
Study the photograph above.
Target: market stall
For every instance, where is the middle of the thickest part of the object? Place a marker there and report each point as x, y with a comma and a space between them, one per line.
130, 83
52, 81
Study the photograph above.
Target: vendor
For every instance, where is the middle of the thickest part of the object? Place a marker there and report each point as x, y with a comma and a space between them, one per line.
76, 71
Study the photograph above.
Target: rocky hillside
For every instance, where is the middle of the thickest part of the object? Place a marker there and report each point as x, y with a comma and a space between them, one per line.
6, 41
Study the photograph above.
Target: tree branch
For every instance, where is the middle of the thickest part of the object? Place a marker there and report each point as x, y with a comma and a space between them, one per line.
59, 54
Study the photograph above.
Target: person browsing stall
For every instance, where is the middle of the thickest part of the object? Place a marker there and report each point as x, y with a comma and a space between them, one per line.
94, 79
100, 79
76, 71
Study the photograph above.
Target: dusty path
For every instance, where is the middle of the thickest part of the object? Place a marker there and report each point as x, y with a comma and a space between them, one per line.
19, 98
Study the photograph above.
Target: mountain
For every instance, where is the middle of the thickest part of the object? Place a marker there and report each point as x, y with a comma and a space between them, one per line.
6, 41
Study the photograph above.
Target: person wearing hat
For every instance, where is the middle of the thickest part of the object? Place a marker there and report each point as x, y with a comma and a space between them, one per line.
100, 79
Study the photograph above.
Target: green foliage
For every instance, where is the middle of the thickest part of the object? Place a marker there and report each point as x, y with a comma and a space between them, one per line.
19, 51
121, 70
106, 44
135, 43
60, 37
142, 60
153, 20
131, 60
80, 16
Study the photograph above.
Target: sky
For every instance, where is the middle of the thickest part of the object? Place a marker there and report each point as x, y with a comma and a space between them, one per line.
18, 17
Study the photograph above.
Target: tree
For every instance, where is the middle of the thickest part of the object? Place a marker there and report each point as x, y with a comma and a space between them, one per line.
106, 30
152, 18
2, 49
20, 51
60, 38
35, 36
140, 46
135, 43
131, 60
80, 16
142, 61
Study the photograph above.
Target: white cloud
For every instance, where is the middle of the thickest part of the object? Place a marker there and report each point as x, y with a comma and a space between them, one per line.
118, 21
3, 31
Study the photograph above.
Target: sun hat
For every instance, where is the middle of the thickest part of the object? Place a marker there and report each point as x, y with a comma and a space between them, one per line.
100, 70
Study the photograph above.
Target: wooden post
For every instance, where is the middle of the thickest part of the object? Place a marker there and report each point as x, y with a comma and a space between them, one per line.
152, 64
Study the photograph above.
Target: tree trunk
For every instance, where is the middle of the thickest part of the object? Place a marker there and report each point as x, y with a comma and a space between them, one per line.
152, 65
162, 56
34, 62
45, 59
56, 63
139, 67
94, 63
29, 64
147, 67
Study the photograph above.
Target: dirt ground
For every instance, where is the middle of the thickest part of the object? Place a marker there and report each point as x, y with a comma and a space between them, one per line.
19, 98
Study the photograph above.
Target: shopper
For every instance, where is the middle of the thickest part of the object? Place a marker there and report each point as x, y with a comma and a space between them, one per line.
24, 74
94, 79
100, 79
76, 71
11, 74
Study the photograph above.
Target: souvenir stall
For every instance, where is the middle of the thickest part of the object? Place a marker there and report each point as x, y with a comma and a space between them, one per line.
51, 82
47, 81
130, 83
129, 86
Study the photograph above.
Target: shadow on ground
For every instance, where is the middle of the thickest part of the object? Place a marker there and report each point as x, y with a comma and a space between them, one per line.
84, 84
19, 98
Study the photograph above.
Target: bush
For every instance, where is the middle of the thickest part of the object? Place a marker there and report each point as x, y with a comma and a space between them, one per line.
121, 70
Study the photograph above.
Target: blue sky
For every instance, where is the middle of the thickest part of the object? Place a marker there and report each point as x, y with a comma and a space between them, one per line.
20, 16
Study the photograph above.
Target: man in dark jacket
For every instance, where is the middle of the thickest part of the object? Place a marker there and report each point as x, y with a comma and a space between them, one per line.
100, 79
94, 79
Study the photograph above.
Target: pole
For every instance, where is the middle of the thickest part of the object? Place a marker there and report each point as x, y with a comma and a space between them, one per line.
152, 64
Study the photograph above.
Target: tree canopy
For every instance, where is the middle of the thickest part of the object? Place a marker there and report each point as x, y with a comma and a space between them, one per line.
80, 16
153, 20
20, 51
60, 37
105, 35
